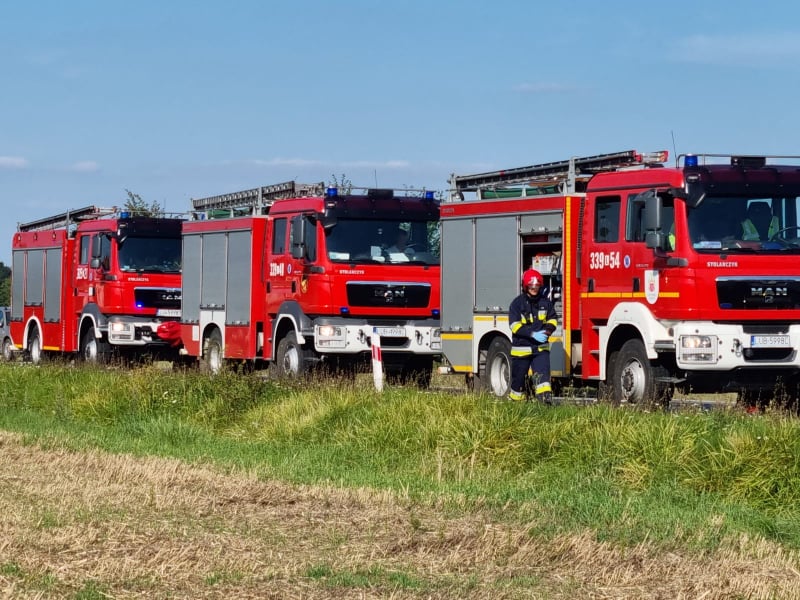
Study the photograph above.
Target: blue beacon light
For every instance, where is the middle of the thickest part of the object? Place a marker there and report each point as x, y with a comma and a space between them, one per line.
331, 192
690, 160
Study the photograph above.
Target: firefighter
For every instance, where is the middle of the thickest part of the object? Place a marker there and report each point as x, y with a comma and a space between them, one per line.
759, 217
532, 319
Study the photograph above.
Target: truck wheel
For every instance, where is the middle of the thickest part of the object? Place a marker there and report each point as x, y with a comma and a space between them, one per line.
634, 377
290, 358
93, 350
496, 377
213, 358
8, 350
35, 347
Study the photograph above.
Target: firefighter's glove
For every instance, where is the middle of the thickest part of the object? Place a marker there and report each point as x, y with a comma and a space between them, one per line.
540, 337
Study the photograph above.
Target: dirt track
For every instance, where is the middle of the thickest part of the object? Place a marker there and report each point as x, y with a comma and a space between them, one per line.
123, 527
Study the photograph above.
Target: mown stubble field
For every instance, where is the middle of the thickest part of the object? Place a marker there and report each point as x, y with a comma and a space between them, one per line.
95, 525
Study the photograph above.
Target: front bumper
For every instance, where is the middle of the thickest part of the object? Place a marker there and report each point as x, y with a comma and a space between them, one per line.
341, 336
709, 346
134, 331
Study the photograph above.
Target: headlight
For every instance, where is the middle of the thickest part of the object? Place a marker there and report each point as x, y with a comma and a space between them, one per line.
698, 348
329, 331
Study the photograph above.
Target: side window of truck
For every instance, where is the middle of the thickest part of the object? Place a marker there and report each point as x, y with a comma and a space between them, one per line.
279, 236
606, 219
84, 256
102, 250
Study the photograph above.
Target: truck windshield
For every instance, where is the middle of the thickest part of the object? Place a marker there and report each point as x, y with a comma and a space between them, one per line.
384, 241
150, 254
746, 224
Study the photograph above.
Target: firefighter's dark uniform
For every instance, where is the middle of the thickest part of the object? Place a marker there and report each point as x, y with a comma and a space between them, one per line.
527, 315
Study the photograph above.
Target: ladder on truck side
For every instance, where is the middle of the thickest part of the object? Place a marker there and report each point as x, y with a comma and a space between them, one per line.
257, 200
563, 176
66, 219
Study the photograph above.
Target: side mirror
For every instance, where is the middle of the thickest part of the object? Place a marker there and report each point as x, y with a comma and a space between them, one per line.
652, 221
298, 238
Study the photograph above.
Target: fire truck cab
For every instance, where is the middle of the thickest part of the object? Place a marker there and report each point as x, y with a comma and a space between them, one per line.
662, 276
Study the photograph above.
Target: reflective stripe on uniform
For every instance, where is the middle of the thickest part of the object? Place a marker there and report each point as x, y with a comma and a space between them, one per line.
516, 396
521, 351
543, 388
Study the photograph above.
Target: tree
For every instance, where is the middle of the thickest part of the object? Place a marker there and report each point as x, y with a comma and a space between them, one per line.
5, 285
344, 184
136, 206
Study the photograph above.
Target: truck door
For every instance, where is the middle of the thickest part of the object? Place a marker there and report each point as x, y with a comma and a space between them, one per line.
302, 252
83, 274
278, 283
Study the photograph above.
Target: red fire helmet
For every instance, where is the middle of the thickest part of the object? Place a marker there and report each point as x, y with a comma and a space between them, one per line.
532, 276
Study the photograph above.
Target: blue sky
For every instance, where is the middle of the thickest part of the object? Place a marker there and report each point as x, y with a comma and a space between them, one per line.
178, 99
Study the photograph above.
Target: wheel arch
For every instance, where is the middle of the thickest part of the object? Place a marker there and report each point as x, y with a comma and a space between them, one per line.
482, 348
630, 320
280, 328
33, 323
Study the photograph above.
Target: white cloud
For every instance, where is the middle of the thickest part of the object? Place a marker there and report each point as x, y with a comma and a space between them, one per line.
305, 162
13, 162
85, 166
366, 164
742, 49
284, 162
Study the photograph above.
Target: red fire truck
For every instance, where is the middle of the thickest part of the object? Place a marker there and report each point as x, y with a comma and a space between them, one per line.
295, 274
95, 281
662, 276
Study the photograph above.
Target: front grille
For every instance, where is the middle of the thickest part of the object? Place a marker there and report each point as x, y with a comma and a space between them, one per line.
157, 297
398, 295
734, 293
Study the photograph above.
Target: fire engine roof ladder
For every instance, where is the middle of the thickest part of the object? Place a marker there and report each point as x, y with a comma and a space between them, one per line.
564, 173
259, 198
66, 218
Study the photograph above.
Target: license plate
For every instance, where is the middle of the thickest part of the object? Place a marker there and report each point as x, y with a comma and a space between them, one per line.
390, 331
168, 312
769, 341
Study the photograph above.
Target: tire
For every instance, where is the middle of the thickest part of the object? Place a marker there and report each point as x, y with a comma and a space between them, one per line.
35, 347
213, 357
94, 351
495, 378
635, 378
290, 359
8, 350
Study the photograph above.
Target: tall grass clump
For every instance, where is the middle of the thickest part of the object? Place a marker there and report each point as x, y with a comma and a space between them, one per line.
624, 471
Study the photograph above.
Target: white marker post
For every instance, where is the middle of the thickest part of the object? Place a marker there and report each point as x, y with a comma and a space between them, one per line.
377, 360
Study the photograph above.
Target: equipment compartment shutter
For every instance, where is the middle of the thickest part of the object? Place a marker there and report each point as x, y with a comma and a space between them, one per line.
191, 278
214, 264
457, 278
35, 280
52, 290
497, 269
237, 302
17, 282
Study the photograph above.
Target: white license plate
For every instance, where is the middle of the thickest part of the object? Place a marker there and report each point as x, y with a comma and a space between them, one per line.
390, 331
168, 312
769, 341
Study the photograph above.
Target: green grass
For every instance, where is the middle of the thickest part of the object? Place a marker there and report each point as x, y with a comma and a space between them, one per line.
690, 479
